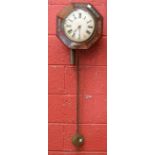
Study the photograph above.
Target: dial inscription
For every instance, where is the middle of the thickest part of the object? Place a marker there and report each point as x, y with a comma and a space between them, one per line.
79, 26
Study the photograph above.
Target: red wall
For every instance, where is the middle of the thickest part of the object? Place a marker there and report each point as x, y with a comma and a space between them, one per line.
62, 82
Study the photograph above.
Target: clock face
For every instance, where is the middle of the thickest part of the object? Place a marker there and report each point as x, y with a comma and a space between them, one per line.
79, 25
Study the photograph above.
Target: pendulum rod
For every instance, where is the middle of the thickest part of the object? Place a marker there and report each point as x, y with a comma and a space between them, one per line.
72, 56
77, 139
77, 92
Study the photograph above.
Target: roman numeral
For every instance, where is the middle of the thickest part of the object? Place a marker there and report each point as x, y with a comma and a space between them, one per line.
90, 26
89, 21
84, 18
68, 25
74, 16
70, 31
80, 15
70, 20
88, 32
79, 37
84, 36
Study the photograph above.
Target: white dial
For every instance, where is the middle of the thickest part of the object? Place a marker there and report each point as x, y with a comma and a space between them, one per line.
79, 26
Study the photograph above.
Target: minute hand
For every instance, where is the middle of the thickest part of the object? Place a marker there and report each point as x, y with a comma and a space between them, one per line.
74, 32
79, 32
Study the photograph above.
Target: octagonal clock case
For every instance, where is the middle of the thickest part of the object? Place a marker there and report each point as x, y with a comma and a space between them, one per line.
79, 25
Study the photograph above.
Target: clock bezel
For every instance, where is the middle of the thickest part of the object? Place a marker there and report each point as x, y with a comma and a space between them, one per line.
63, 14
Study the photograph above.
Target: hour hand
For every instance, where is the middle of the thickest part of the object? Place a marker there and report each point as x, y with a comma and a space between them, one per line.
78, 28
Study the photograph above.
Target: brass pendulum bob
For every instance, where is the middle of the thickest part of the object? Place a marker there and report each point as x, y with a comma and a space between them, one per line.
78, 140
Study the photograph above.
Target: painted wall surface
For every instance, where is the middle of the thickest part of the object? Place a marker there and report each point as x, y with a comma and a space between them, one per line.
62, 90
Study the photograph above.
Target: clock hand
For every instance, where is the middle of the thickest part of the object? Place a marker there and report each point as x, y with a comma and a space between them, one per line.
79, 27
74, 33
79, 31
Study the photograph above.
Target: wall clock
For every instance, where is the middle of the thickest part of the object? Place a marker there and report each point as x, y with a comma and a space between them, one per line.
79, 25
